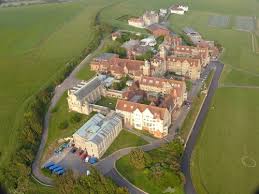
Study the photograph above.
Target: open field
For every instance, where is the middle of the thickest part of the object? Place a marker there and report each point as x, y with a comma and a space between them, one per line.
229, 135
39, 44
125, 139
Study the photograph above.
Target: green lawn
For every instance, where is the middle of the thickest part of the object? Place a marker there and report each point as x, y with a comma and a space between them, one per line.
143, 178
241, 78
230, 132
109, 102
86, 73
36, 42
125, 139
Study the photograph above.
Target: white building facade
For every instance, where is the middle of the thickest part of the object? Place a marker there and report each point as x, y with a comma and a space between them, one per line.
81, 96
153, 119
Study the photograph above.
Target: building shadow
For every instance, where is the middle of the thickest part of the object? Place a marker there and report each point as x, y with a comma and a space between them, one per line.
256, 190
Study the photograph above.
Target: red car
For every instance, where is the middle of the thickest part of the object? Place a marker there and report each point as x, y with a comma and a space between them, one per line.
83, 156
80, 153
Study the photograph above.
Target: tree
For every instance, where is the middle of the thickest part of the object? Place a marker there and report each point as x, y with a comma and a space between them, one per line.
139, 159
218, 45
156, 172
146, 56
76, 117
66, 183
94, 183
176, 148
115, 47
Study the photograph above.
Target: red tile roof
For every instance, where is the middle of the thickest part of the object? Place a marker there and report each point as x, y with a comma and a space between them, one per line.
128, 106
192, 61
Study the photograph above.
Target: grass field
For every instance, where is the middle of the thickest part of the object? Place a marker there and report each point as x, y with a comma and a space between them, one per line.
39, 44
228, 135
143, 179
125, 139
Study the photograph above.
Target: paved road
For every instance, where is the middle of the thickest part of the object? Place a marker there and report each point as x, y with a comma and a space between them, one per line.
69, 82
189, 188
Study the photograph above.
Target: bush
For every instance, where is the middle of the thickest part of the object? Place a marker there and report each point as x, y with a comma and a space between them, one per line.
95, 183
147, 56
137, 158
63, 125
115, 47
76, 118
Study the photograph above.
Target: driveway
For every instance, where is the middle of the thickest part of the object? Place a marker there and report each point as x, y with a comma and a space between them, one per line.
188, 187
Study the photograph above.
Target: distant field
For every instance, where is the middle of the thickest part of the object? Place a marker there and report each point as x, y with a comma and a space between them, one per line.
225, 155
238, 45
41, 40
118, 14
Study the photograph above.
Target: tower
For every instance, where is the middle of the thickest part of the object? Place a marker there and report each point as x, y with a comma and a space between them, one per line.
162, 52
146, 68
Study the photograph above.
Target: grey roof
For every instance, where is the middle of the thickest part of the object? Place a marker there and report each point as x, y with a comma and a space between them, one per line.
130, 44
98, 127
84, 88
156, 26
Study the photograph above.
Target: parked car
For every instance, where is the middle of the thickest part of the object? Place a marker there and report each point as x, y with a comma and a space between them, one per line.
83, 156
53, 167
73, 150
81, 152
57, 169
60, 172
49, 164
92, 160
87, 159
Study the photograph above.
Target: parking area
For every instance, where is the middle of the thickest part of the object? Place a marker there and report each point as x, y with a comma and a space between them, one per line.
70, 158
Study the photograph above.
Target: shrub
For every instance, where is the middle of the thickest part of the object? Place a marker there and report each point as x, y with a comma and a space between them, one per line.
137, 158
63, 125
75, 118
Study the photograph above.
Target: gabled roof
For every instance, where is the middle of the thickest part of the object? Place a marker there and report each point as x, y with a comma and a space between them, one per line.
85, 88
155, 27
191, 61
130, 107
